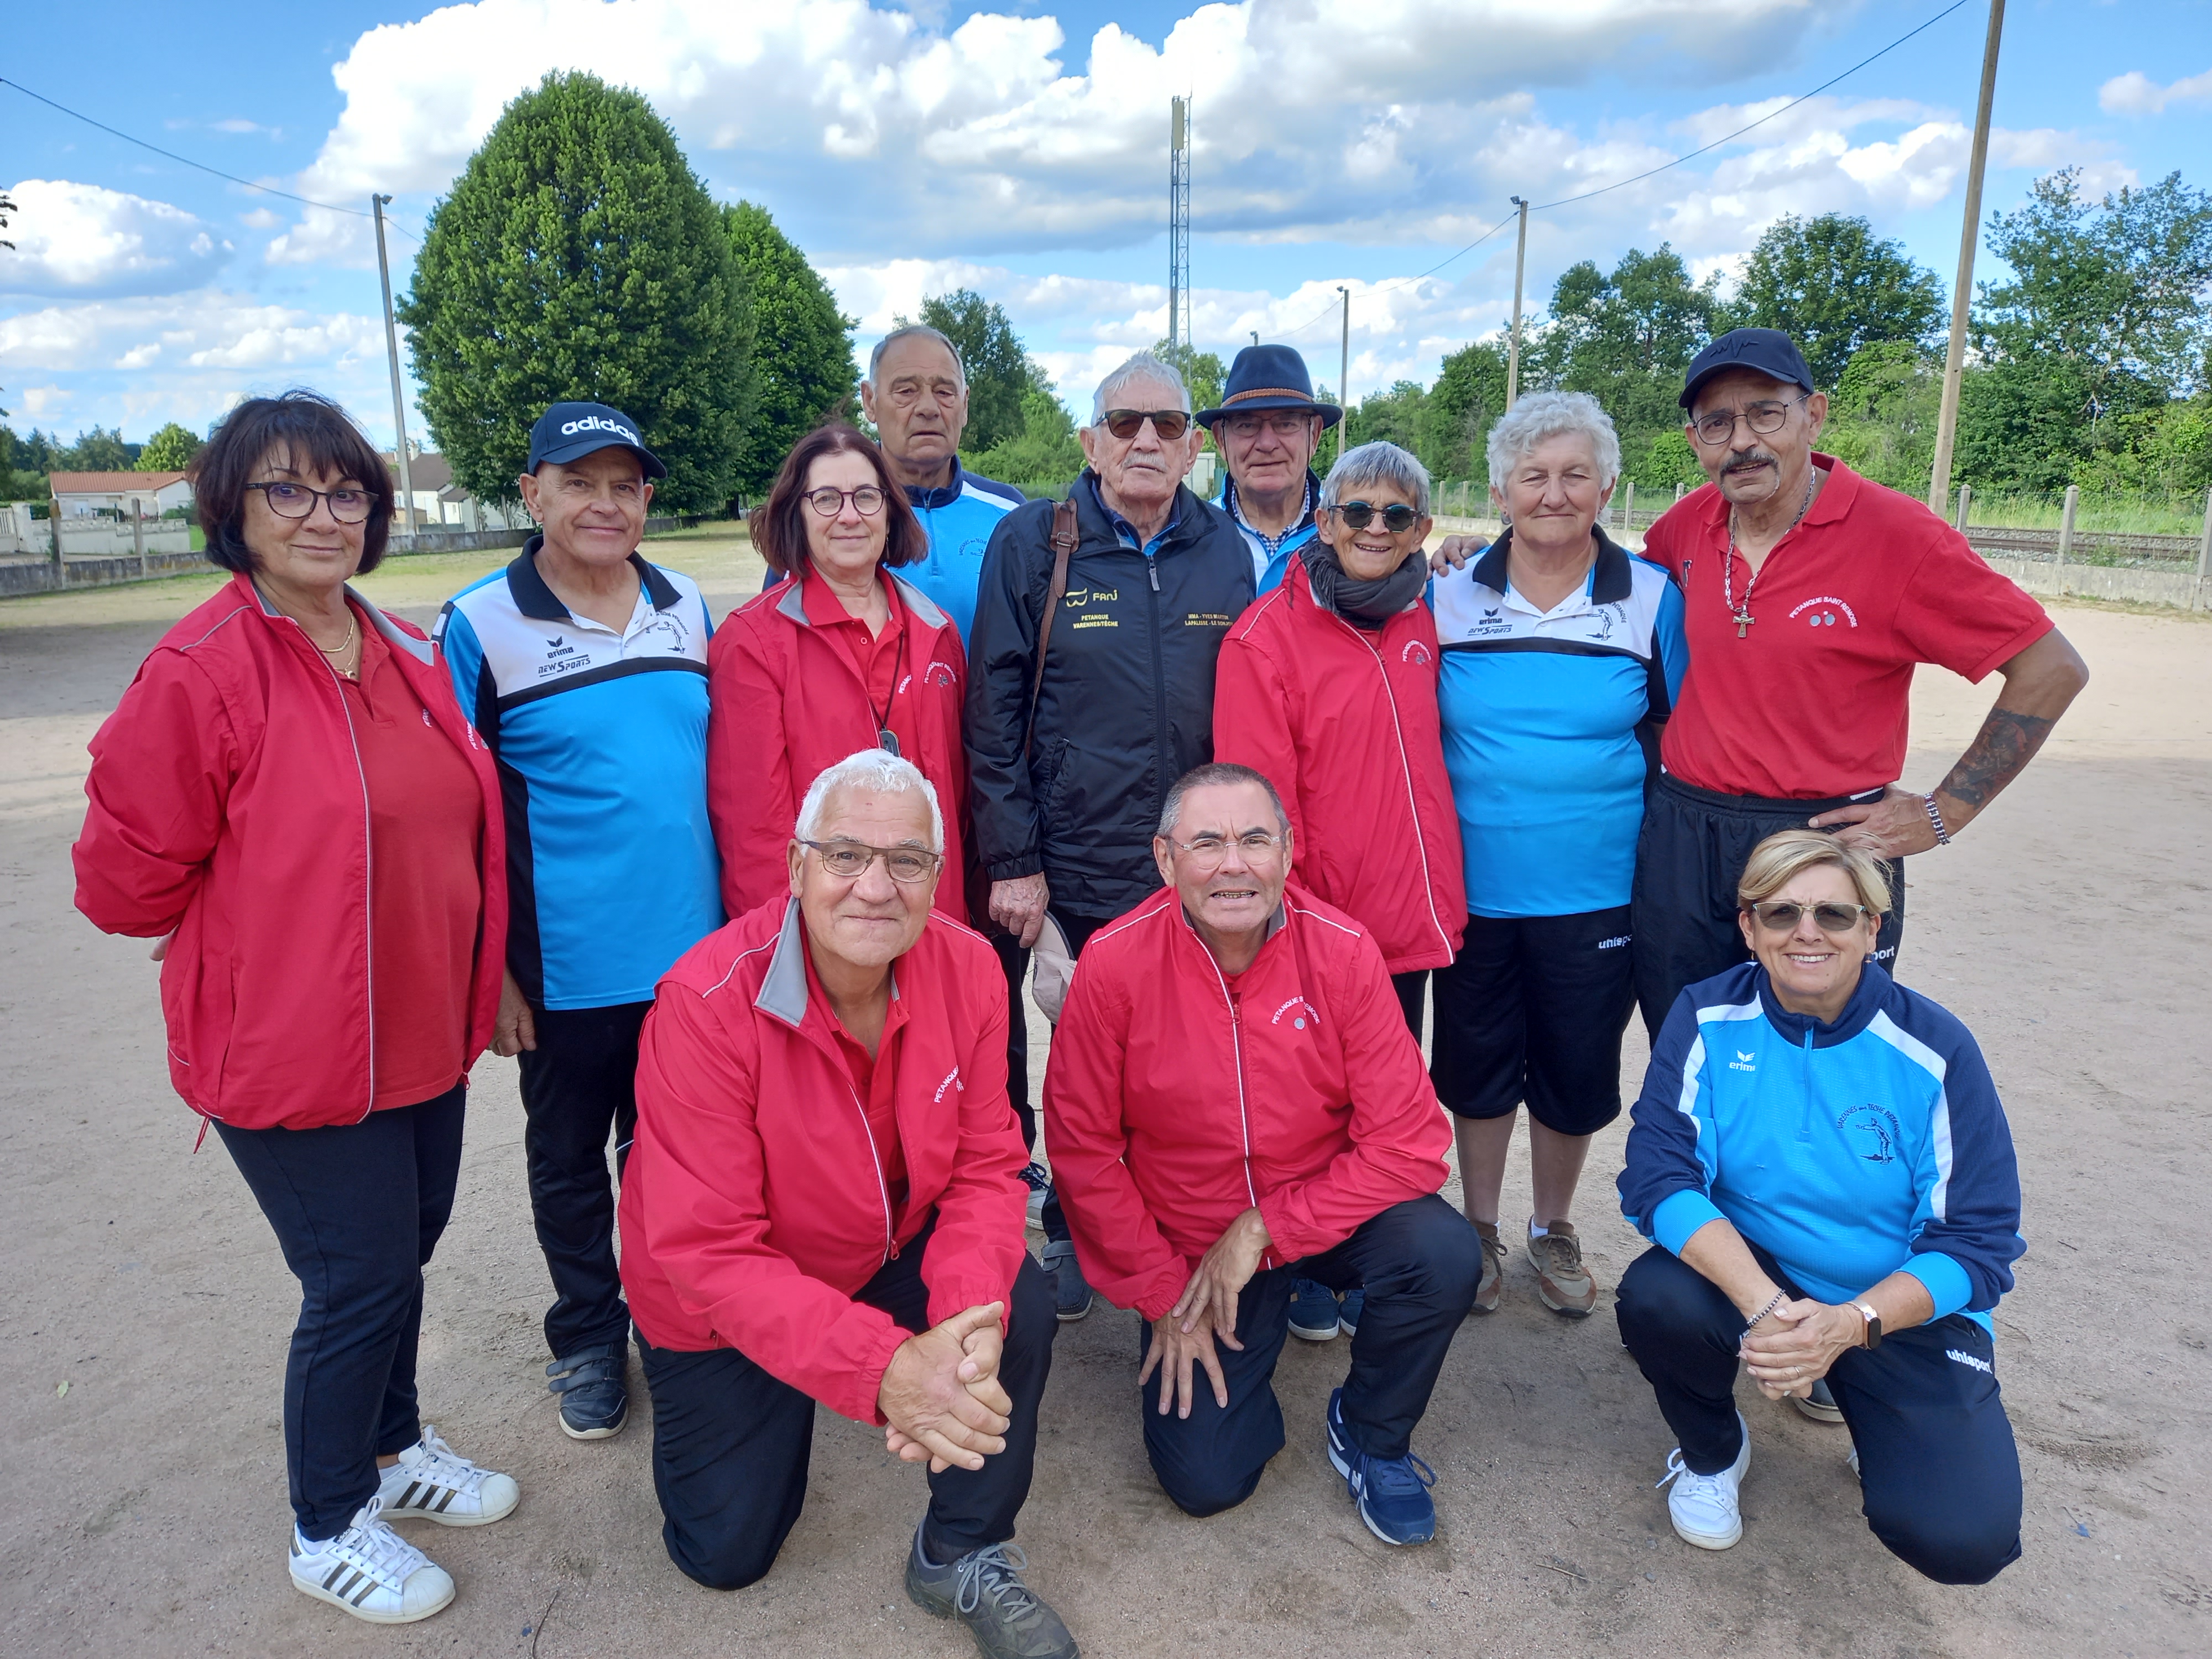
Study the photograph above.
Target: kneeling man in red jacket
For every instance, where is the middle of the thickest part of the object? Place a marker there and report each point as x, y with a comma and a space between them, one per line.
823, 1203
1234, 1098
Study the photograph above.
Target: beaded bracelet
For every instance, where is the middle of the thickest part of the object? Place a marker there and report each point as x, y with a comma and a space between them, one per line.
1936, 818
1780, 1297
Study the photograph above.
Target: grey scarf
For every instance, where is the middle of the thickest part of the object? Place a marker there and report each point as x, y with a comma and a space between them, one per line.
1370, 604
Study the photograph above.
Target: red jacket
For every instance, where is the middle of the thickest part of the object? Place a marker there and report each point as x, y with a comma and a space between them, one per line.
1173, 1103
788, 704
1344, 723
228, 806
753, 1205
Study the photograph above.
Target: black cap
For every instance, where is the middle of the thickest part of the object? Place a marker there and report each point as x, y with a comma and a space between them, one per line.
567, 432
1269, 377
1768, 350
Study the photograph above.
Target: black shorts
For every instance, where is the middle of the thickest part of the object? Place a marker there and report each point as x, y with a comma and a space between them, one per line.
1532, 1009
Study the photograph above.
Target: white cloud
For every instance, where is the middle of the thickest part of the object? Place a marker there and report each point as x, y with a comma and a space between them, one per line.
84, 240
205, 330
2136, 94
43, 403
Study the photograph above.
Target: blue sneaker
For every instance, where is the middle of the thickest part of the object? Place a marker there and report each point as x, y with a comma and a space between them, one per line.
1391, 1493
1314, 1314
1348, 1311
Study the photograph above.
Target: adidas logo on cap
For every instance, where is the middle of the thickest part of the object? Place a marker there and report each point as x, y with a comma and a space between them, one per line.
597, 423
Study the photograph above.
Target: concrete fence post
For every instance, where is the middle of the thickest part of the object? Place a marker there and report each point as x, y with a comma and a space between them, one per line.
2203, 555
138, 536
2066, 530
1628, 512
1966, 501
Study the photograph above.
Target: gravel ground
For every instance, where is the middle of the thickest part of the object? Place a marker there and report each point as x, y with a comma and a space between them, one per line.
144, 1330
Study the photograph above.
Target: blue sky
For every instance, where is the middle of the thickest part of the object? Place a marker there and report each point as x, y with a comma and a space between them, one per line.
1020, 149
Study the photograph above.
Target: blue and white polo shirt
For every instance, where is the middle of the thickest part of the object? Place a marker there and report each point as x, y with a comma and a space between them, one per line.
601, 742
959, 519
1548, 724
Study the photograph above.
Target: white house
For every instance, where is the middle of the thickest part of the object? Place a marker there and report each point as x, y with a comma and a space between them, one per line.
122, 494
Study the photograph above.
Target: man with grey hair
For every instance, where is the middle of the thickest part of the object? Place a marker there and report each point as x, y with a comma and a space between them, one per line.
1090, 679
782, 1249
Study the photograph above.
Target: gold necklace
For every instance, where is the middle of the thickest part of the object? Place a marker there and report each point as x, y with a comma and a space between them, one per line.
353, 638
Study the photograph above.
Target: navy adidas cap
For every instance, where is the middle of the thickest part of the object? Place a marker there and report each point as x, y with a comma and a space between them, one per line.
1768, 350
567, 432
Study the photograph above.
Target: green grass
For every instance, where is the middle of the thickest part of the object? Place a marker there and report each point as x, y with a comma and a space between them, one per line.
2131, 515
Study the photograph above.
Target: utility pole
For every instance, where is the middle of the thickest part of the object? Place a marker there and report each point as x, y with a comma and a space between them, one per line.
391, 348
1520, 264
1178, 222
1970, 236
1343, 374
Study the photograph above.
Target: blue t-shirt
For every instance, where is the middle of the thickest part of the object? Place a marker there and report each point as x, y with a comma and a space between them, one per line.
601, 742
1547, 726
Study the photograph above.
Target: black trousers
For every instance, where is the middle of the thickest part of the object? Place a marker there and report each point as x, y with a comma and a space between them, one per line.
730, 1443
1689, 857
1412, 989
1014, 960
579, 1087
1419, 1261
1938, 1469
357, 1208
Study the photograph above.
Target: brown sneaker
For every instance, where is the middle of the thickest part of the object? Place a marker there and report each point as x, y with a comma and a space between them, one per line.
1491, 1288
1561, 1280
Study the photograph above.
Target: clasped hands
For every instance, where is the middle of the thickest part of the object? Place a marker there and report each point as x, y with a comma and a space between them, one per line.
941, 1398
1792, 1347
1183, 1337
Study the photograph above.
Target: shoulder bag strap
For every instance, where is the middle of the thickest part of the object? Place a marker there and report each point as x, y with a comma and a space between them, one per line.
1064, 539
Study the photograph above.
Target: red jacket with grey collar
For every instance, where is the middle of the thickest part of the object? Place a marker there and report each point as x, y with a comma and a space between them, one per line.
227, 805
753, 1205
1177, 1098
786, 704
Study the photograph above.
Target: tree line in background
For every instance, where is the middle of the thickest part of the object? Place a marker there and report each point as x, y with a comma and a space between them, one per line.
578, 256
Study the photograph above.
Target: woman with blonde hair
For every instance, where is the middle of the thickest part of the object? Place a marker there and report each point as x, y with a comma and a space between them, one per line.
1821, 1162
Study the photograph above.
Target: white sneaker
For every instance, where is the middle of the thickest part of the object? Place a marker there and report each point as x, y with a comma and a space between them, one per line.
432, 1482
371, 1571
1703, 1507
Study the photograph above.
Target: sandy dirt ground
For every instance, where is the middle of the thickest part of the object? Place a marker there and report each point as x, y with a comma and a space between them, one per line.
147, 1309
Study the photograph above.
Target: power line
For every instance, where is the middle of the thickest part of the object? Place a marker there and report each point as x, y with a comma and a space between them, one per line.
1690, 155
186, 160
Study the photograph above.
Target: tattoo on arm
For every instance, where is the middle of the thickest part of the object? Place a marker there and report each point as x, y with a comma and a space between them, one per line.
2006, 743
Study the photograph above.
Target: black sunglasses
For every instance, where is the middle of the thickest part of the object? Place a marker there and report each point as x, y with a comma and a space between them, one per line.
1170, 423
1397, 518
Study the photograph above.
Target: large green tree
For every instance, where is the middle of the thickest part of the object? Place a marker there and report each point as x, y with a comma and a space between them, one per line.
1834, 285
1624, 337
578, 257
1040, 459
101, 450
1466, 401
1203, 372
169, 450
802, 349
999, 372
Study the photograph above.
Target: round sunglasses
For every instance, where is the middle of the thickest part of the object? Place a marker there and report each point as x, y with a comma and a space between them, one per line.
1397, 518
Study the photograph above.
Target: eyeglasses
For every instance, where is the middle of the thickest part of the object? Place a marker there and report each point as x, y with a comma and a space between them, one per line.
849, 861
1209, 852
1286, 427
1782, 917
1719, 427
292, 501
1124, 423
1397, 518
868, 501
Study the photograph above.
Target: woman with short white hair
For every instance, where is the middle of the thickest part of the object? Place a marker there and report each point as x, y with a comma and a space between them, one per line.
1561, 651
1821, 1162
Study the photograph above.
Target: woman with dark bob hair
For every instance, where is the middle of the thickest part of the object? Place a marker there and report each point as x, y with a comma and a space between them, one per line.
839, 656
288, 799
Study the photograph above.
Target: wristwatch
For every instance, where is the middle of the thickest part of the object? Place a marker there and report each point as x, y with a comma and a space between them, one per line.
1873, 1323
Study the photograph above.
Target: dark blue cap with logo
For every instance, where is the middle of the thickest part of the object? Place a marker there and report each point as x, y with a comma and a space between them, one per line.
567, 432
1269, 377
1768, 350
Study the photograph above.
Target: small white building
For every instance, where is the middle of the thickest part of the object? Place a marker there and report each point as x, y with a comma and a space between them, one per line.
441, 502
120, 494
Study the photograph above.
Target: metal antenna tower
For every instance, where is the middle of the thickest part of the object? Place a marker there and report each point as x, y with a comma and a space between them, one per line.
1179, 223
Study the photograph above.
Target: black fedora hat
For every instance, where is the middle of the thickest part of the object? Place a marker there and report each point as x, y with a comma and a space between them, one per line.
1269, 377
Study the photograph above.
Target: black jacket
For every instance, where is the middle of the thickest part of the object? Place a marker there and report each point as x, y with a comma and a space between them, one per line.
1127, 703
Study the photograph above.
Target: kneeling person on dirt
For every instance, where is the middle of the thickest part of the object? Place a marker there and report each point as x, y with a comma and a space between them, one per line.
1813, 1237
781, 1247
1234, 1101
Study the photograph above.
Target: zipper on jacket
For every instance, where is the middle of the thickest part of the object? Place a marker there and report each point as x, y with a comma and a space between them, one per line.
1162, 760
368, 872
1405, 769
1805, 1113
1236, 1047
882, 1191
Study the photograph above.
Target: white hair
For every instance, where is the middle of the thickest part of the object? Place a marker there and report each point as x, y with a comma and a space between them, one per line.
1543, 414
876, 357
1378, 463
879, 772
1142, 367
